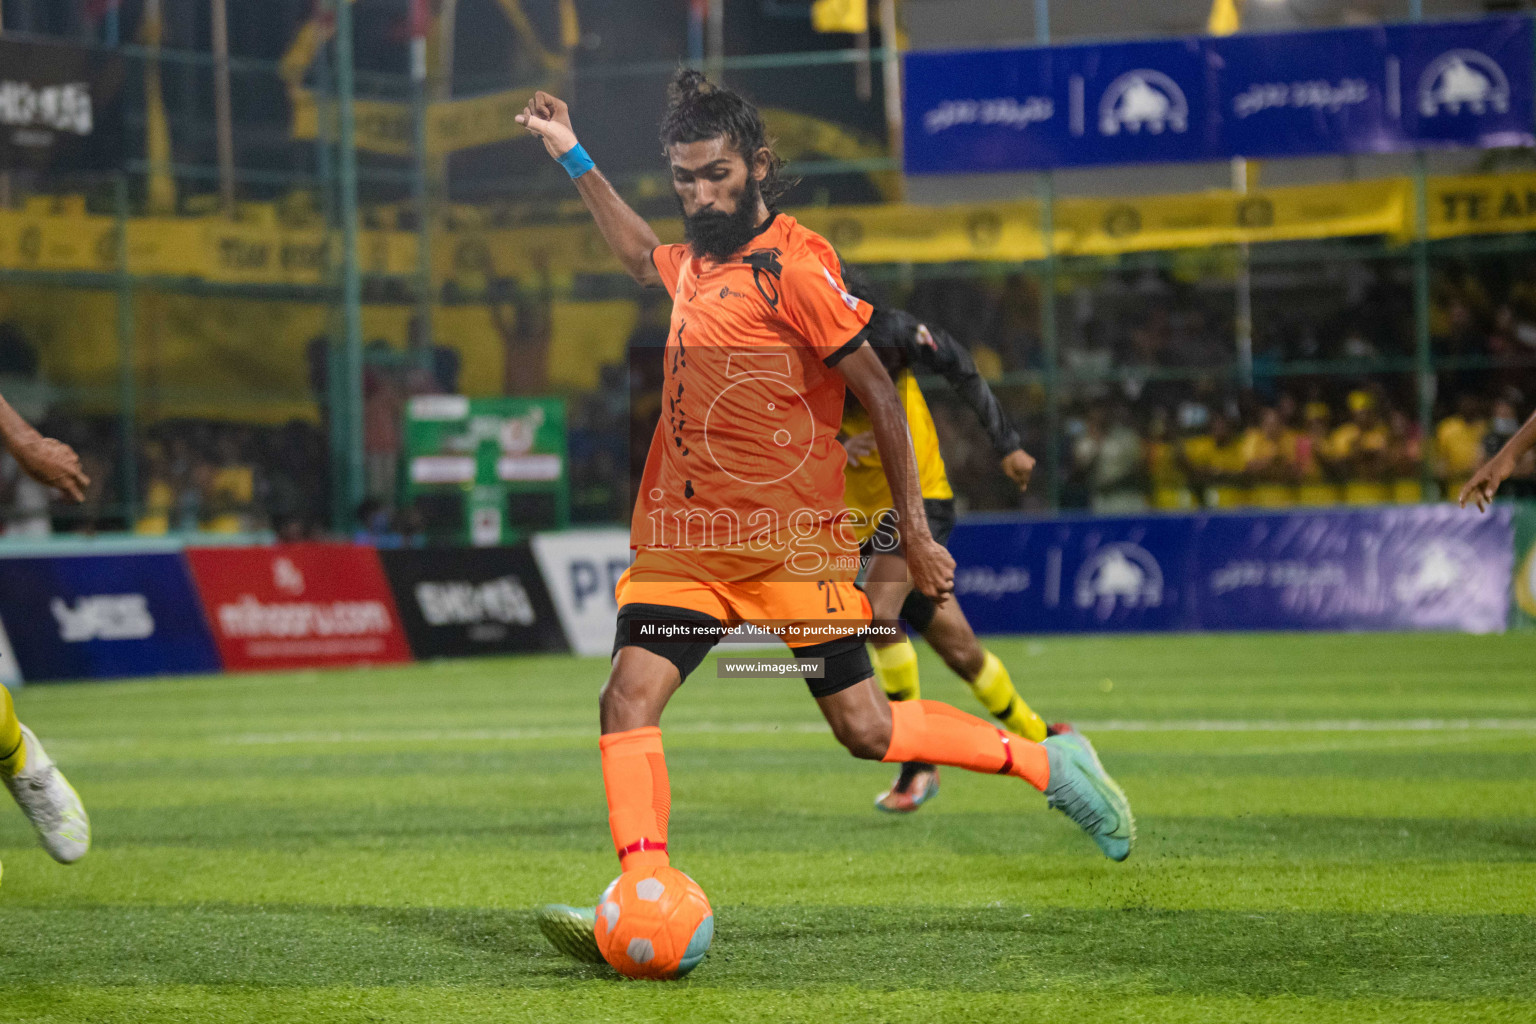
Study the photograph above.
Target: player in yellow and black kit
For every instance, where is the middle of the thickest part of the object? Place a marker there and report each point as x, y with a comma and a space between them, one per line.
907, 347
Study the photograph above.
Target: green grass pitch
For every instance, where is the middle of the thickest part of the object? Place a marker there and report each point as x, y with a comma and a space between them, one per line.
1332, 828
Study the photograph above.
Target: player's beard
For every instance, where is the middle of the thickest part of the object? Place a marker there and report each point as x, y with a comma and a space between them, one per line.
719, 236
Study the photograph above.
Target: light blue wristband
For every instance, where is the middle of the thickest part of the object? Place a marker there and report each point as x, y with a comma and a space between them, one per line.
576, 162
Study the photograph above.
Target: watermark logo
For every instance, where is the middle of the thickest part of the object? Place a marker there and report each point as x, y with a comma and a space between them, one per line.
761, 395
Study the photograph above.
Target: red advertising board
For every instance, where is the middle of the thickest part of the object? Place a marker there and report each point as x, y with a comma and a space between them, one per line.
298, 606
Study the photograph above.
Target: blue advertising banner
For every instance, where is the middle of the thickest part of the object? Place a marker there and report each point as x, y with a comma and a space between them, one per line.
1137, 103
1466, 80
1409, 568
1074, 575
84, 616
1355, 90
1306, 92
983, 110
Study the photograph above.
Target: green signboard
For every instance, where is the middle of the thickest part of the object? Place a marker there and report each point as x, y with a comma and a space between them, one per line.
1523, 614
491, 470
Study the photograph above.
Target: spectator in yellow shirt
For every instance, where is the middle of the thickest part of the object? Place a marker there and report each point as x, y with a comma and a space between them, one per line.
1315, 468
1359, 447
1459, 444
1165, 467
1214, 463
1403, 458
230, 490
1269, 460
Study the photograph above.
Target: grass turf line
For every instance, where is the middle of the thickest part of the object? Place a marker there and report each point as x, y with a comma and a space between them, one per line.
365, 846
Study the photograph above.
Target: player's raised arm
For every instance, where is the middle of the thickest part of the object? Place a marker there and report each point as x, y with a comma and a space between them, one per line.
939, 352
44, 459
625, 231
1485, 482
932, 568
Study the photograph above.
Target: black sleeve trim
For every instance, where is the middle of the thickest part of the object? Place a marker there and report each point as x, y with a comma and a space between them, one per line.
848, 347
661, 279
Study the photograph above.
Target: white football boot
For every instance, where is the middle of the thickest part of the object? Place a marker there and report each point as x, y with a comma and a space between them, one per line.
50, 804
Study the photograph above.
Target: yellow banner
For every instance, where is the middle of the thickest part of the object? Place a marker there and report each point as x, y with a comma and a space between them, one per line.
1101, 227
247, 360
915, 234
62, 238
1481, 204
385, 127
475, 121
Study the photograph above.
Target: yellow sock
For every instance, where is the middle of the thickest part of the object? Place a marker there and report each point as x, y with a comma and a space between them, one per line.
896, 668
13, 752
993, 687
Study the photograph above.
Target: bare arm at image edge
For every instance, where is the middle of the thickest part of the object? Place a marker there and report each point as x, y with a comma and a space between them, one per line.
44, 459
1485, 482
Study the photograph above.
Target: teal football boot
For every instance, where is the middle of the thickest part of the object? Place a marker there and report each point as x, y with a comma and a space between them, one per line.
1081, 789
571, 930
916, 785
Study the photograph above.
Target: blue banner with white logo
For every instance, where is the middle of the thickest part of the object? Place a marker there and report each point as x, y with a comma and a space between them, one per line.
1409, 568
1355, 90
1072, 575
98, 616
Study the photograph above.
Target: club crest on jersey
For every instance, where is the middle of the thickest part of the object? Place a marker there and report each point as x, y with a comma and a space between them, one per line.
766, 268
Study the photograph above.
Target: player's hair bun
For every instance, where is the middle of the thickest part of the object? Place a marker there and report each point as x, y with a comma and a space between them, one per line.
687, 86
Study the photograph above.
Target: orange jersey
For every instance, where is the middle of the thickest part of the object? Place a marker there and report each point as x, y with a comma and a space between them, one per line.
747, 447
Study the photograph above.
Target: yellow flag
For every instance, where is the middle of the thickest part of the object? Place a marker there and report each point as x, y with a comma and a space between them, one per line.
1224, 19
840, 15
301, 53
513, 11
161, 184
570, 25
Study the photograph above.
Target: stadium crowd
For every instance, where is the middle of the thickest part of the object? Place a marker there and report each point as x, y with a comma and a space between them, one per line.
192, 476
1364, 450
1149, 417
1147, 363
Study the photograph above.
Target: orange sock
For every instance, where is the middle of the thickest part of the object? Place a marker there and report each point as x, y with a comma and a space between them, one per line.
930, 730
639, 797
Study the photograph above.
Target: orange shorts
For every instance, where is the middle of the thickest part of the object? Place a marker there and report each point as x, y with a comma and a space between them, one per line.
802, 613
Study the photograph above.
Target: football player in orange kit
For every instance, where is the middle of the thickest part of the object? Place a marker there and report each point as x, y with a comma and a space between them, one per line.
740, 514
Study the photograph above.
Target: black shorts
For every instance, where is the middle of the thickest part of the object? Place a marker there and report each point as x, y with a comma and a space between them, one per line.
845, 661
